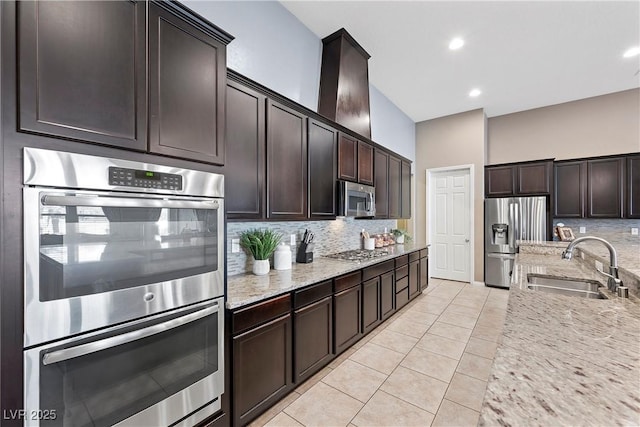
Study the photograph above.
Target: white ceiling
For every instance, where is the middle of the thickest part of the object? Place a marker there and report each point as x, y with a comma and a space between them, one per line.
521, 54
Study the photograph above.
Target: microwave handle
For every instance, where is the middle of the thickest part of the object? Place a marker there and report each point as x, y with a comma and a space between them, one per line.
127, 202
92, 347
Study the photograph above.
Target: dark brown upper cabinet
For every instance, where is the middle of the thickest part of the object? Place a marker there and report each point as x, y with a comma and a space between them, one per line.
395, 187
405, 177
286, 162
82, 71
605, 192
322, 170
601, 187
365, 163
347, 158
569, 189
84, 75
519, 179
633, 187
245, 163
534, 178
355, 160
186, 89
381, 183
499, 181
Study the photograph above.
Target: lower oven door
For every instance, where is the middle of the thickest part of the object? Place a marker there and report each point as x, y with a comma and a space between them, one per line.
151, 373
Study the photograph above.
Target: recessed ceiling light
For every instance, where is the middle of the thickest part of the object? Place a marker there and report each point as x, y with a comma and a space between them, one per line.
475, 92
456, 43
634, 51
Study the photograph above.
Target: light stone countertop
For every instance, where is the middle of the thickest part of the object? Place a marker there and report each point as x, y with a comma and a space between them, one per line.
564, 361
245, 289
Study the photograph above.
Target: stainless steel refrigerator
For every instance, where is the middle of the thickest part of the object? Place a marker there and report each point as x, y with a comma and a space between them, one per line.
506, 221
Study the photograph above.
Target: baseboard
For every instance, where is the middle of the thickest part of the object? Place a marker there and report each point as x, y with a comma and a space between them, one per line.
476, 283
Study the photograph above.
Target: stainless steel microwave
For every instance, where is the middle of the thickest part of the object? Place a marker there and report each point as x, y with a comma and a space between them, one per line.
356, 200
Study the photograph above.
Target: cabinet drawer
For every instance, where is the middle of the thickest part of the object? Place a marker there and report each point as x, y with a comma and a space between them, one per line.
402, 272
348, 281
414, 256
402, 260
402, 283
250, 317
377, 270
402, 297
424, 253
312, 294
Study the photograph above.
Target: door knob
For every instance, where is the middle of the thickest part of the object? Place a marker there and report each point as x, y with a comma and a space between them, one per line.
466, 240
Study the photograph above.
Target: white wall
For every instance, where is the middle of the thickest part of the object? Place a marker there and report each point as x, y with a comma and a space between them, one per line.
275, 49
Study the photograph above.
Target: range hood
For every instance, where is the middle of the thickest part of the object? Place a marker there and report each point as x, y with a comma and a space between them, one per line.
344, 83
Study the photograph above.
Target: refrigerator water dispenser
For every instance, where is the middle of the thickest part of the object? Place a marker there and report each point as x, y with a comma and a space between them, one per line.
500, 234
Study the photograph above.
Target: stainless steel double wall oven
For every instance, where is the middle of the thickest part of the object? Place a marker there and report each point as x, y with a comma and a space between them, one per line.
124, 292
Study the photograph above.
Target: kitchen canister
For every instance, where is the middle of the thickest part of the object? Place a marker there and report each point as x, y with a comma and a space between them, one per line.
282, 257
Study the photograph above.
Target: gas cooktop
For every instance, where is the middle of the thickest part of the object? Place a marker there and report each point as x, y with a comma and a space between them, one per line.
359, 254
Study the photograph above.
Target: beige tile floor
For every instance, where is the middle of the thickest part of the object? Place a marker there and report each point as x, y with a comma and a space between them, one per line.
426, 366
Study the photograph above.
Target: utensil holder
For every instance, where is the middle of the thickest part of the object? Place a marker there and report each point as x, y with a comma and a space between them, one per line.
305, 253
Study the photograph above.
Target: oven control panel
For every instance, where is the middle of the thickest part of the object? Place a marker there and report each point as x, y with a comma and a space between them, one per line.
144, 179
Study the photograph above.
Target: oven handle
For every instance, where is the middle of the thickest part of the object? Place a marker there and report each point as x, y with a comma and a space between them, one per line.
126, 202
92, 347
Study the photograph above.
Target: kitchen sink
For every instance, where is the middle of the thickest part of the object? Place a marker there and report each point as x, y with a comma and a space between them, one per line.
583, 288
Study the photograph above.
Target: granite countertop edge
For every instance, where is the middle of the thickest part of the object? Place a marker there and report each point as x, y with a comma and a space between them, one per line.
564, 360
245, 289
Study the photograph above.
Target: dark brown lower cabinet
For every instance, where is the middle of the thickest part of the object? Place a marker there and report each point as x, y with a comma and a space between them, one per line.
414, 279
424, 270
262, 359
371, 304
387, 295
313, 337
402, 288
347, 318
402, 297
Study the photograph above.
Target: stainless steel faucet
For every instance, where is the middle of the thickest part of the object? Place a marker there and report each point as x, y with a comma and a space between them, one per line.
613, 282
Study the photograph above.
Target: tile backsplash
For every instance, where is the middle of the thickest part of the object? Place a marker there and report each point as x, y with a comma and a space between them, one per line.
338, 235
613, 230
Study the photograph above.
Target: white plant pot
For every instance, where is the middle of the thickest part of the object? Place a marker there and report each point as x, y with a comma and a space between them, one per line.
261, 267
400, 239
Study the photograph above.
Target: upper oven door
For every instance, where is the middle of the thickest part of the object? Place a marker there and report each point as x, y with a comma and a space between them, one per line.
93, 259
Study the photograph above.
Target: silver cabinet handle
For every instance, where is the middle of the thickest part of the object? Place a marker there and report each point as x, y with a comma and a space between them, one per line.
92, 347
126, 202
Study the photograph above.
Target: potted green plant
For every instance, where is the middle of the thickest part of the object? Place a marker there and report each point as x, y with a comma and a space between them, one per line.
400, 235
260, 244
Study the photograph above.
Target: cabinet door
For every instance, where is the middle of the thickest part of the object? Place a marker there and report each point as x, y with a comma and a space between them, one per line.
261, 368
387, 295
347, 158
424, 273
414, 279
499, 181
604, 188
370, 304
313, 338
365, 163
381, 162
395, 187
187, 81
245, 162
569, 189
406, 190
82, 69
633, 187
322, 170
347, 318
286, 163
533, 178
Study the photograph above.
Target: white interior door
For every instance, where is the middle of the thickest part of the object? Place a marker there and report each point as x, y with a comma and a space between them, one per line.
451, 213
